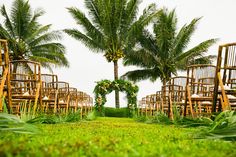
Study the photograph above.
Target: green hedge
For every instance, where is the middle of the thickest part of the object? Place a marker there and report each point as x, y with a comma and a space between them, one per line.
116, 112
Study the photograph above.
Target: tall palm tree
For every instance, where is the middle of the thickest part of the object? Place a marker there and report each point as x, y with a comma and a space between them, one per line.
163, 52
28, 39
110, 28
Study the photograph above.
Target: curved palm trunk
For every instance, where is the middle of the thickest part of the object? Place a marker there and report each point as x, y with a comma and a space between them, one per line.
117, 101
165, 80
166, 97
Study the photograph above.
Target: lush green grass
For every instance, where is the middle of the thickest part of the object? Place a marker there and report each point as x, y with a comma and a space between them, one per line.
113, 137
116, 112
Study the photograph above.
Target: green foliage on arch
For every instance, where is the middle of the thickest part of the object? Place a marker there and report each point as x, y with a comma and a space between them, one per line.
105, 87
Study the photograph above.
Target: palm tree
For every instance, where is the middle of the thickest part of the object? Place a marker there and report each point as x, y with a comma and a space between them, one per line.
28, 39
110, 28
163, 53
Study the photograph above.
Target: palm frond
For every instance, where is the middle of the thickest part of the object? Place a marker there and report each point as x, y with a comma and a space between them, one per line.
148, 41
94, 7
140, 58
47, 37
183, 37
130, 13
20, 15
37, 32
197, 50
7, 22
88, 28
164, 30
142, 74
4, 33
90, 43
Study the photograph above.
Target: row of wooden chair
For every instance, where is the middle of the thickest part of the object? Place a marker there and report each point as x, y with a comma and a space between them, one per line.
26, 86
204, 89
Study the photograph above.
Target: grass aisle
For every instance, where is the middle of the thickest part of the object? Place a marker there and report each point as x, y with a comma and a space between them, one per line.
113, 137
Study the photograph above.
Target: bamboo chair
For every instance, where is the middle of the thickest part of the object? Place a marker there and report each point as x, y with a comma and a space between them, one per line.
149, 106
142, 106
90, 103
81, 105
59, 93
5, 77
198, 95
172, 95
224, 92
73, 103
87, 103
49, 91
154, 103
63, 97
180, 81
25, 85
159, 101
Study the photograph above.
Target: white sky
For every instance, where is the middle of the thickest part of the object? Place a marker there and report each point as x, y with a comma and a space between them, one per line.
87, 67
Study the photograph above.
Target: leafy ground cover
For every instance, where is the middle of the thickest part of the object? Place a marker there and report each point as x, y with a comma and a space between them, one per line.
112, 137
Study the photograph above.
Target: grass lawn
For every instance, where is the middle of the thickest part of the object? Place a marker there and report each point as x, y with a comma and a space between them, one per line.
113, 137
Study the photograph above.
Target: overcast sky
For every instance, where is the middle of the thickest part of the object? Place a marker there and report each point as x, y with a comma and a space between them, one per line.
218, 21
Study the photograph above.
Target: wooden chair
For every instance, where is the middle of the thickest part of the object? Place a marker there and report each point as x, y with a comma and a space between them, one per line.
149, 106
142, 107
172, 95
49, 92
224, 92
81, 105
154, 103
87, 102
4, 75
90, 103
73, 103
159, 101
198, 92
63, 97
25, 84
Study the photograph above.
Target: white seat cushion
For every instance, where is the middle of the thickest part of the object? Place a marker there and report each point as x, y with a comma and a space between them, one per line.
195, 96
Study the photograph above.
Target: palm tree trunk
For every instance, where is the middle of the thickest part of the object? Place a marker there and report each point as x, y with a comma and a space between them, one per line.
166, 97
117, 101
164, 82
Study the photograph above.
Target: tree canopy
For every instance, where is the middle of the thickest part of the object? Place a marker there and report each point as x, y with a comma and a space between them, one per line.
164, 51
28, 39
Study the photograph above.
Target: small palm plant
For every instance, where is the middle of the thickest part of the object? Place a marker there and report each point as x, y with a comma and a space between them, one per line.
223, 127
14, 124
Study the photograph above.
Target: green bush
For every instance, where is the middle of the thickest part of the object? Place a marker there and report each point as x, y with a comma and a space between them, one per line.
116, 112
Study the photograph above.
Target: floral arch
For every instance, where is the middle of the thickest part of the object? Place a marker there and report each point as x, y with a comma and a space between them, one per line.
105, 87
